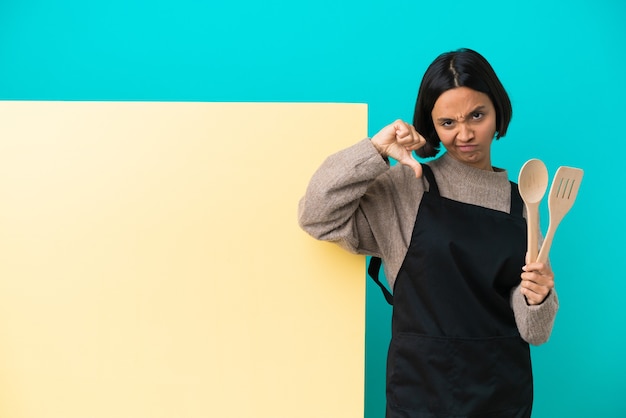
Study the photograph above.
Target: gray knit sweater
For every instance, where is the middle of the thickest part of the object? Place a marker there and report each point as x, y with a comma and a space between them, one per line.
358, 201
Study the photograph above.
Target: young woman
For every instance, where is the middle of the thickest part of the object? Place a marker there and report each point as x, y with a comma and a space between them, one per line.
452, 237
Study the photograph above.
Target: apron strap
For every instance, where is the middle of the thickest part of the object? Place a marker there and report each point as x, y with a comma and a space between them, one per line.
373, 271
432, 184
517, 205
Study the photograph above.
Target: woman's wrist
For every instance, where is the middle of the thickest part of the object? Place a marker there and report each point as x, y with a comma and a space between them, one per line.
378, 148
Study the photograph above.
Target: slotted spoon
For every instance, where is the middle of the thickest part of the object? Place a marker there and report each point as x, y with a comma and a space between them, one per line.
533, 182
562, 195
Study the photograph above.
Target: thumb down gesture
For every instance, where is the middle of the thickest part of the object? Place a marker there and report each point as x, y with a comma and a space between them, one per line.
398, 141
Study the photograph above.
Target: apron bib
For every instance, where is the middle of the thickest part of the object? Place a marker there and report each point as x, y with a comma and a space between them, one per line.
455, 349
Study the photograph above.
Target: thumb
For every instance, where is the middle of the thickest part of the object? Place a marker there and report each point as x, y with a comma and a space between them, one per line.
411, 162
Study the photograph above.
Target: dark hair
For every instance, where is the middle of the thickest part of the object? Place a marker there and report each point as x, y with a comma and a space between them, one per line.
460, 68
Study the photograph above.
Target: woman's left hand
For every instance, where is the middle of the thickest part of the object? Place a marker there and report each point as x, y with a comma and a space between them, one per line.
537, 282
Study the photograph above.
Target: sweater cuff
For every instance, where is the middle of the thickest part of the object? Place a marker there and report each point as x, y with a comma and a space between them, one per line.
535, 322
368, 148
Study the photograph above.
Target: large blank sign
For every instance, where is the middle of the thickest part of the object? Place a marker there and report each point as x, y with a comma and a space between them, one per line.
151, 264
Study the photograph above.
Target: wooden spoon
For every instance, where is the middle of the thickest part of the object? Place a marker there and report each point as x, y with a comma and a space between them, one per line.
533, 182
562, 195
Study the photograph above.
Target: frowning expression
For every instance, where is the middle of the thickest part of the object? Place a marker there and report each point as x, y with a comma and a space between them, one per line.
465, 121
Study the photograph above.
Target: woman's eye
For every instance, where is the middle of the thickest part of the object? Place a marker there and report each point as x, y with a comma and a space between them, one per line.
477, 115
446, 123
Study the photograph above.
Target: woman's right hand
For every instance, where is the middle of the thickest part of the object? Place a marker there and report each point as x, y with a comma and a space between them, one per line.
398, 141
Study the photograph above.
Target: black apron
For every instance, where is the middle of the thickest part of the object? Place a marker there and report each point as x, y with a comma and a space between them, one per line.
455, 349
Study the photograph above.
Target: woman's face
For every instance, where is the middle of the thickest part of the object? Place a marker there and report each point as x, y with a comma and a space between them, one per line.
465, 121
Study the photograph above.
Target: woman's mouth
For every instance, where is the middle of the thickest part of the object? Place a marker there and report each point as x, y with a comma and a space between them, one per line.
466, 148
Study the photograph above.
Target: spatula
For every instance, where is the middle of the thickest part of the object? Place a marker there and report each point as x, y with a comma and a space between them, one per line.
533, 182
561, 199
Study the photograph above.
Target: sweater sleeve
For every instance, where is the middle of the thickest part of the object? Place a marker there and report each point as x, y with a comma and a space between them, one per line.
330, 209
534, 322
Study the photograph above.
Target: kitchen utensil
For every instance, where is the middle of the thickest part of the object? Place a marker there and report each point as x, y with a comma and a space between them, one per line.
533, 182
562, 195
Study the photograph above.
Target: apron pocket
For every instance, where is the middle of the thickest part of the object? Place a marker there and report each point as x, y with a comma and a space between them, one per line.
459, 376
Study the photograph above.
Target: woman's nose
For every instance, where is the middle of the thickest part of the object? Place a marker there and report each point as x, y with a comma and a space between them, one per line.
465, 133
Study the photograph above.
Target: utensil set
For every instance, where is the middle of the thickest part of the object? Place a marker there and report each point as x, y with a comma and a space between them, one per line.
533, 182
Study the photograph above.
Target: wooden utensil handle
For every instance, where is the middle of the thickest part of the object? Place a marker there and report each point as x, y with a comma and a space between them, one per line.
533, 228
545, 247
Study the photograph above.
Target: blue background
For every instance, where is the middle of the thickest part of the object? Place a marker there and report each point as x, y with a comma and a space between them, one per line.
561, 61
